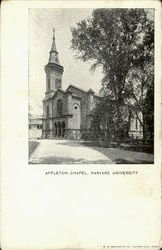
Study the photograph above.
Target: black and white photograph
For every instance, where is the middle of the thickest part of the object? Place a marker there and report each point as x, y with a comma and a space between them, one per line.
91, 86
81, 125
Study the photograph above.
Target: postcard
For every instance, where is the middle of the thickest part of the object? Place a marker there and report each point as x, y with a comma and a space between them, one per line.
81, 125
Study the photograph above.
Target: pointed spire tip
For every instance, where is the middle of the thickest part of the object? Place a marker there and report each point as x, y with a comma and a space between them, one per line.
53, 33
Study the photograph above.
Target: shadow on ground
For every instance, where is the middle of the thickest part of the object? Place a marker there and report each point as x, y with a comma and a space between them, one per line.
68, 160
72, 143
136, 147
114, 155
120, 156
32, 146
123, 161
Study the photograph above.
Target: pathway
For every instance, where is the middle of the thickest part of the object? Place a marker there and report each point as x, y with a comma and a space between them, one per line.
66, 152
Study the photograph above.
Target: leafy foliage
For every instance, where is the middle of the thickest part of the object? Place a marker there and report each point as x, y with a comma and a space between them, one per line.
121, 41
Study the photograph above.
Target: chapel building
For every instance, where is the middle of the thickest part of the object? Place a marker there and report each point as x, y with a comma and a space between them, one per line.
67, 113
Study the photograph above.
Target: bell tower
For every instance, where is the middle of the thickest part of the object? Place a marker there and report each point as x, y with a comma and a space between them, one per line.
53, 69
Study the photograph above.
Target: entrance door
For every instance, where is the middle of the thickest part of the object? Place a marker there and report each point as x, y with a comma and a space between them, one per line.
63, 129
59, 129
55, 133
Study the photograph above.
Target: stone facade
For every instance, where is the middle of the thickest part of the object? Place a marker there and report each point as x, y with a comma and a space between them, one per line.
66, 113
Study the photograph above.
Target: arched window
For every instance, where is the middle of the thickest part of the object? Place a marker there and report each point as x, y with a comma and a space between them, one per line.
59, 107
63, 129
47, 111
58, 83
56, 130
48, 82
59, 129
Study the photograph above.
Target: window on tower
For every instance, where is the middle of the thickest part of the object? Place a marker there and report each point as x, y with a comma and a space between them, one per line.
58, 83
47, 111
48, 81
56, 59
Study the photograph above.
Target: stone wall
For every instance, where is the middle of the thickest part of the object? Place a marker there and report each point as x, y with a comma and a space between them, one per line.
86, 98
74, 122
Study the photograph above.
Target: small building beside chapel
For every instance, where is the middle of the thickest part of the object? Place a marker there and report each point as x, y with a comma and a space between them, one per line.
35, 128
65, 112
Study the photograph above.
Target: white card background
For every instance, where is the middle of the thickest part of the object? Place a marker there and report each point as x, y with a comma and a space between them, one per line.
41, 211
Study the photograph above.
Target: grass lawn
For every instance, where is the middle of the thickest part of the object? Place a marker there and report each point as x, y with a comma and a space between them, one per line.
120, 156
32, 146
125, 146
126, 153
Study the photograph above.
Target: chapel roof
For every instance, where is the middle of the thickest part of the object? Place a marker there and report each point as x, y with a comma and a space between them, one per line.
83, 90
52, 94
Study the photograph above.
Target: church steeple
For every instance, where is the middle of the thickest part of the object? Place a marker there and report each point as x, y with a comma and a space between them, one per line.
53, 48
53, 70
53, 58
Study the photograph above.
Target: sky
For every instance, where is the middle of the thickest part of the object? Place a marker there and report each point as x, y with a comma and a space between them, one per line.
76, 72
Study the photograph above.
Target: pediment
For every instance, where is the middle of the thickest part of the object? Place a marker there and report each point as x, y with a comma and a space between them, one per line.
59, 93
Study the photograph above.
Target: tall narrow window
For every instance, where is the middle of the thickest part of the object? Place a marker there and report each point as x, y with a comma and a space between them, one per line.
136, 123
58, 83
48, 84
47, 111
59, 107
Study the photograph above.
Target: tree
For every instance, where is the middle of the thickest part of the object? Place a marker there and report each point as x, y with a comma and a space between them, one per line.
118, 40
104, 122
140, 97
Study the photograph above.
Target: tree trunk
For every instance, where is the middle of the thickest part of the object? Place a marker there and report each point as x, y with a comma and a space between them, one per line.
144, 131
118, 125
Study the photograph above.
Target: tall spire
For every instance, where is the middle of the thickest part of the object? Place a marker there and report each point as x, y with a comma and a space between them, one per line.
53, 58
53, 48
53, 69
